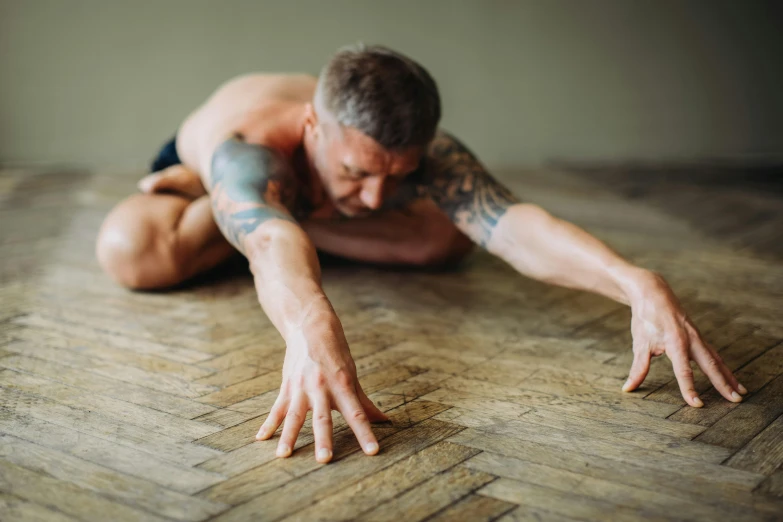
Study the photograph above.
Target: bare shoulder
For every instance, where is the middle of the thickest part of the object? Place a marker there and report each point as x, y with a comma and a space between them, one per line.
459, 183
250, 104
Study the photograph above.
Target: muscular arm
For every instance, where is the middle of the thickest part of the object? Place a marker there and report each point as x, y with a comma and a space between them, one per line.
544, 247
253, 192
534, 242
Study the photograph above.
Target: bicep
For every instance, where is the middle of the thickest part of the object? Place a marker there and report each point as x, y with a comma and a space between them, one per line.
248, 186
461, 186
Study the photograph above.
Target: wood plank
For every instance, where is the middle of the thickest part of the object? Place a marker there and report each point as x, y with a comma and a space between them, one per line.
474, 507
615, 491
431, 496
224, 418
737, 428
531, 514
65, 497
14, 508
640, 472
568, 406
20, 391
148, 362
568, 504
100, 451
628, 435
655, 460
233, 375
242, 390
89, 364
137, 492
96, 384
772, 485
311, 487
176, 353
374, 491
117, 431
764, 453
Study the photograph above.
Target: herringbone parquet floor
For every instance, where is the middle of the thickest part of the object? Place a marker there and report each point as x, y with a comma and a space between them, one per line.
504, 392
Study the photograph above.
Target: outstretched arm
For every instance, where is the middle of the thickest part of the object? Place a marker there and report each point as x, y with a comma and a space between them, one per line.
549, 249
253, 192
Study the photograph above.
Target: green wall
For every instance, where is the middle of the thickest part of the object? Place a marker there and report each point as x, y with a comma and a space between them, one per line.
104, 82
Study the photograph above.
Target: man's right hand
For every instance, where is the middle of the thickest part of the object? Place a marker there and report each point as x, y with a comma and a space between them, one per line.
319, 374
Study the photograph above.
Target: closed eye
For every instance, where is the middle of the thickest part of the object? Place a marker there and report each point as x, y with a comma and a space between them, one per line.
354, 174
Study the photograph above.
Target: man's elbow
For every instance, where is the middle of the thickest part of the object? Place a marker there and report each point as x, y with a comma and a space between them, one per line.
271, 233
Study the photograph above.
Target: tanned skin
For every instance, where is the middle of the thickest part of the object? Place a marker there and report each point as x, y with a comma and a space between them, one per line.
269, 174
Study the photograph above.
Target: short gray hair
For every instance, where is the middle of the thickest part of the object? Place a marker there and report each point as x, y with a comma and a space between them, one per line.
382, 93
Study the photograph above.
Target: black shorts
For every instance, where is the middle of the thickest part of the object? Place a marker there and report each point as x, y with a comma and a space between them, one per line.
167, 156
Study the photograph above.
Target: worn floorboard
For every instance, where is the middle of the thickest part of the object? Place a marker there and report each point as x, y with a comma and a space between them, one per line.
504, 393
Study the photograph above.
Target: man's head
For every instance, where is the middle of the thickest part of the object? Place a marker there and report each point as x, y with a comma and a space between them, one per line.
372, 116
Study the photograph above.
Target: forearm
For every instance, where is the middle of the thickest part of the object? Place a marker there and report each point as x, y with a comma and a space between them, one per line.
373, 239
287, 278
252, 191
549, 249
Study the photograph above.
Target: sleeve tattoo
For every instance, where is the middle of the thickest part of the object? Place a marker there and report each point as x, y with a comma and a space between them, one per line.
461, 186
249, 185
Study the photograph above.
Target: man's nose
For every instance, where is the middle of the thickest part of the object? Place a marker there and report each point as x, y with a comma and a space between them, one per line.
372, 192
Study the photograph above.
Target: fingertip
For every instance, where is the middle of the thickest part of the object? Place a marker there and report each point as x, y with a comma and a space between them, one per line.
742, 389
371, 448
736, 397
323, 455
696, 402
283, 451
627, 386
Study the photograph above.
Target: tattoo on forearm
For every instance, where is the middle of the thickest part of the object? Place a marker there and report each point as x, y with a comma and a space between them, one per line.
463, 188
250, 184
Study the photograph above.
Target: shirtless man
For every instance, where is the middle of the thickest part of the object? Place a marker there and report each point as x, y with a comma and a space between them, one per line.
352, 163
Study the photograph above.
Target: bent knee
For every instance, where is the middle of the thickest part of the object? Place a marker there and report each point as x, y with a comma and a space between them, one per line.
135, 249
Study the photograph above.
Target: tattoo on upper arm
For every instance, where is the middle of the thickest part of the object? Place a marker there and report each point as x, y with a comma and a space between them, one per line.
463, 188
249, 184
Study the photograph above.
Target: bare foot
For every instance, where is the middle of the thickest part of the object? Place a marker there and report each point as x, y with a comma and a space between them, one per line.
177, 179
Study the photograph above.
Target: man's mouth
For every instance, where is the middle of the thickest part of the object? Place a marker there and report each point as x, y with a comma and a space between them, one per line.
350, 210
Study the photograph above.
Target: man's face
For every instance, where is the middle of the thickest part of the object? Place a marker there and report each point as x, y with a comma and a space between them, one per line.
357, 172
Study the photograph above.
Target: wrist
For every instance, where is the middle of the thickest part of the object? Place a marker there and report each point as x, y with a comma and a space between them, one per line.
314, 326
635, 282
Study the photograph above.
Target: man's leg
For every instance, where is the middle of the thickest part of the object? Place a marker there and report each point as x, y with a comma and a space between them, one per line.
159, 240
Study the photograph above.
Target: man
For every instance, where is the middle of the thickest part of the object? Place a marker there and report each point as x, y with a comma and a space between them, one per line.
353, 163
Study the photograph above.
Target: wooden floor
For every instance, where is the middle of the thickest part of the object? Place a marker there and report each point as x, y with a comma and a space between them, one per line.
504, 392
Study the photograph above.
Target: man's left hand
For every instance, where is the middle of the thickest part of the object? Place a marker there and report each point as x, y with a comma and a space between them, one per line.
659, 325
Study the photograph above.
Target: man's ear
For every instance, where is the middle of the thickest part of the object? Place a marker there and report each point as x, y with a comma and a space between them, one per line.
311, 118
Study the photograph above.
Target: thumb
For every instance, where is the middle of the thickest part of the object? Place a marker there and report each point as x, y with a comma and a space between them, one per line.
639, 369
372, 411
